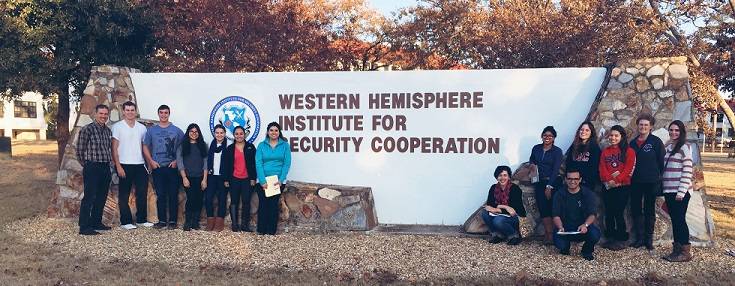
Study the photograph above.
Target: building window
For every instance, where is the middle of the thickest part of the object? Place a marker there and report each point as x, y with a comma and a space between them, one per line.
25, 109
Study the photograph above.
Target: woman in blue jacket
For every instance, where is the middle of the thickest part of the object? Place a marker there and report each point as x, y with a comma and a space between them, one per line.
547, 157
273, 157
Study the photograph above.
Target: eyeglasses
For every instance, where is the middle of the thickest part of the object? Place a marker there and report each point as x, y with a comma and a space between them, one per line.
547, 135
193, 131
574, 179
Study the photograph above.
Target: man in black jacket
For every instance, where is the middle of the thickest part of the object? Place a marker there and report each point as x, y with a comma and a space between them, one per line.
575, 210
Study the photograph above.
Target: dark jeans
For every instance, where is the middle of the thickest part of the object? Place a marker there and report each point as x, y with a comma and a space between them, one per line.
678, 213
194, 195
563, 242
97, 178
615, 201
215, 188
268, 209
138, 176
166, 182
644, 193
240, 190
506, 226
544, 204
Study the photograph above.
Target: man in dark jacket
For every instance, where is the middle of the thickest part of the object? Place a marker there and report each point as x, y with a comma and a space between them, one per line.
574, 211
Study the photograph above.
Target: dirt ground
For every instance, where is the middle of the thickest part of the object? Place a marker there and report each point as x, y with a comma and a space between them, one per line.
26, 182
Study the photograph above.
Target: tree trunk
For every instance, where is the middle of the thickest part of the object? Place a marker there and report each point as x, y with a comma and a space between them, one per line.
62, 120
728, 112
676, 38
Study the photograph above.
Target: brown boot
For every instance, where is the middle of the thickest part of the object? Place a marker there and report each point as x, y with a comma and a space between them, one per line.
674, 252
219, 224
210, 224
684, 255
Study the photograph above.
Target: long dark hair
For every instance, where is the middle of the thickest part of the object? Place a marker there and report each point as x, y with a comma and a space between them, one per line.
280, 132
186, 146
623, 145
577, 146
682, 136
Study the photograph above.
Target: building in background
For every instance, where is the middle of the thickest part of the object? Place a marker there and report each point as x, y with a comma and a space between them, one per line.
23, 118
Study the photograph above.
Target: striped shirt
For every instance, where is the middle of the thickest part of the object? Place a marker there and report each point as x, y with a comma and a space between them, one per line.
94, 143
679, 170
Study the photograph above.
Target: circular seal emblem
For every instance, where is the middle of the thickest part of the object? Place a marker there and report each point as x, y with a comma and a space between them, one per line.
233, 111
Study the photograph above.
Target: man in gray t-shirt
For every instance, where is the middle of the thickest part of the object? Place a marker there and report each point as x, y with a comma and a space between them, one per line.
159, 149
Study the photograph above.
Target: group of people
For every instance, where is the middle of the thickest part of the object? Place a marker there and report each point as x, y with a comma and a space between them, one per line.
175, 158
635, 171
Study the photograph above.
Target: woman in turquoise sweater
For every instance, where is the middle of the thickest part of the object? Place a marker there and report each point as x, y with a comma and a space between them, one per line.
272, 157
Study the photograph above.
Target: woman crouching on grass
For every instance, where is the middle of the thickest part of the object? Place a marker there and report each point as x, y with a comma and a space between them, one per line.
503, 207
677, 186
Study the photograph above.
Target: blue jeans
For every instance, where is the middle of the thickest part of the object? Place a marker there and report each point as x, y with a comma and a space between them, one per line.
166, 182
563, 242
506, 226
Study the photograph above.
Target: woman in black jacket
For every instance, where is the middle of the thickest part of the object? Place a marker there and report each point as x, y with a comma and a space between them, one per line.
503, 207
238, 163
215, 182
584, 155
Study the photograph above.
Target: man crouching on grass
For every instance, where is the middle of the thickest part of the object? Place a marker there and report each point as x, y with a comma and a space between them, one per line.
574, 211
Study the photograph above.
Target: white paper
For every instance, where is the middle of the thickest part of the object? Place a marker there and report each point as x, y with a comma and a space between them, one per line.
271, 189
568, 232
494, 214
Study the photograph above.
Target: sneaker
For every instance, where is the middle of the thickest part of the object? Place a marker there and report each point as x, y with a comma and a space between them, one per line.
147, 224
564, 251
160, 225
588, 256
129, 226
101, 227
88, 231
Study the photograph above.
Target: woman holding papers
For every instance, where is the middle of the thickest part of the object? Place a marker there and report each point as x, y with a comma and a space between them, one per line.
503, 207
677, 188
239, 175
548, 158
272, 161
616, 168
191, 159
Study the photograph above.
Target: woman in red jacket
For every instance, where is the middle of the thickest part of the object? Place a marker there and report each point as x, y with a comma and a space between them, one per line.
616, 168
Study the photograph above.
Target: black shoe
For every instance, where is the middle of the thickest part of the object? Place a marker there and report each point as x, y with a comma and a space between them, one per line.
159, 225
564, 252
496, 239
187, 226
588, 256
171, 225
637, 244
514, 241
101, 227
88, 231
245, 228
235, 228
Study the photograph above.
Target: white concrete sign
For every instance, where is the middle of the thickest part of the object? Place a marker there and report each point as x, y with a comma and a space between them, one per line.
426, 142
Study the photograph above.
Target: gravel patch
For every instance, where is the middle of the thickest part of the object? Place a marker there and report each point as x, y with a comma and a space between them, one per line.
350, 255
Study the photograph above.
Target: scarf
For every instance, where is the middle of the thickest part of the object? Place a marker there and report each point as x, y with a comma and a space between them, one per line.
212, 150
502, 195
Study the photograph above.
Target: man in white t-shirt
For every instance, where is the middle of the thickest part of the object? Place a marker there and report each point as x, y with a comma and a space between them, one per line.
127, 153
